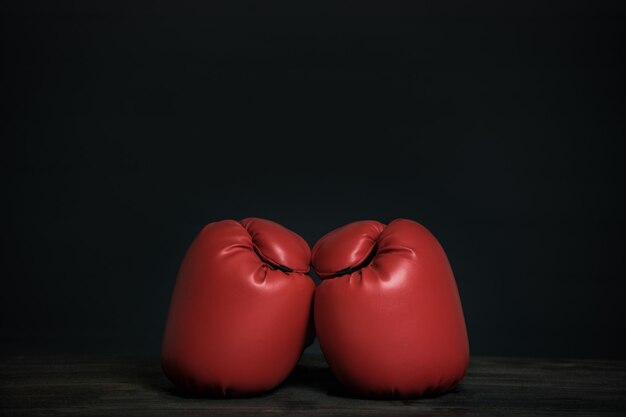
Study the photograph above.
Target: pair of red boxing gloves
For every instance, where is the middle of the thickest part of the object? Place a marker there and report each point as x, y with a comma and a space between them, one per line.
387, 313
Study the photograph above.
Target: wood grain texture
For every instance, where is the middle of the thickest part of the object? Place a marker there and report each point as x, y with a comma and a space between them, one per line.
106, 386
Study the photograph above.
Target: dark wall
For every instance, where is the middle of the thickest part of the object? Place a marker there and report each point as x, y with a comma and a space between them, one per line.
126, 128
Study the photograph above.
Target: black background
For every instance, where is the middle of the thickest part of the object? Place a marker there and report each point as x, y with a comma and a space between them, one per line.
126, 127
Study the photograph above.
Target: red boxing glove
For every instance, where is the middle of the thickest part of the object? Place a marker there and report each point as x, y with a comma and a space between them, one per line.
240, 311
388, 315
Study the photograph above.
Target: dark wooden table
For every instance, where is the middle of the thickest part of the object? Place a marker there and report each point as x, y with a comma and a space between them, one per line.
105, 386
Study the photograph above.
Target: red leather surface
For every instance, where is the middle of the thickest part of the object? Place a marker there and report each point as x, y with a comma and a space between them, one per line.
395, 327
237, 324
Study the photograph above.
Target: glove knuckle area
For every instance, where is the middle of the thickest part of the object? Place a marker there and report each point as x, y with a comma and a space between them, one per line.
345, 248
277, 245
408, 235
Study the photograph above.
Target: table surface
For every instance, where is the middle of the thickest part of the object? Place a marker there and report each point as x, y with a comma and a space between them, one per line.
105, 386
